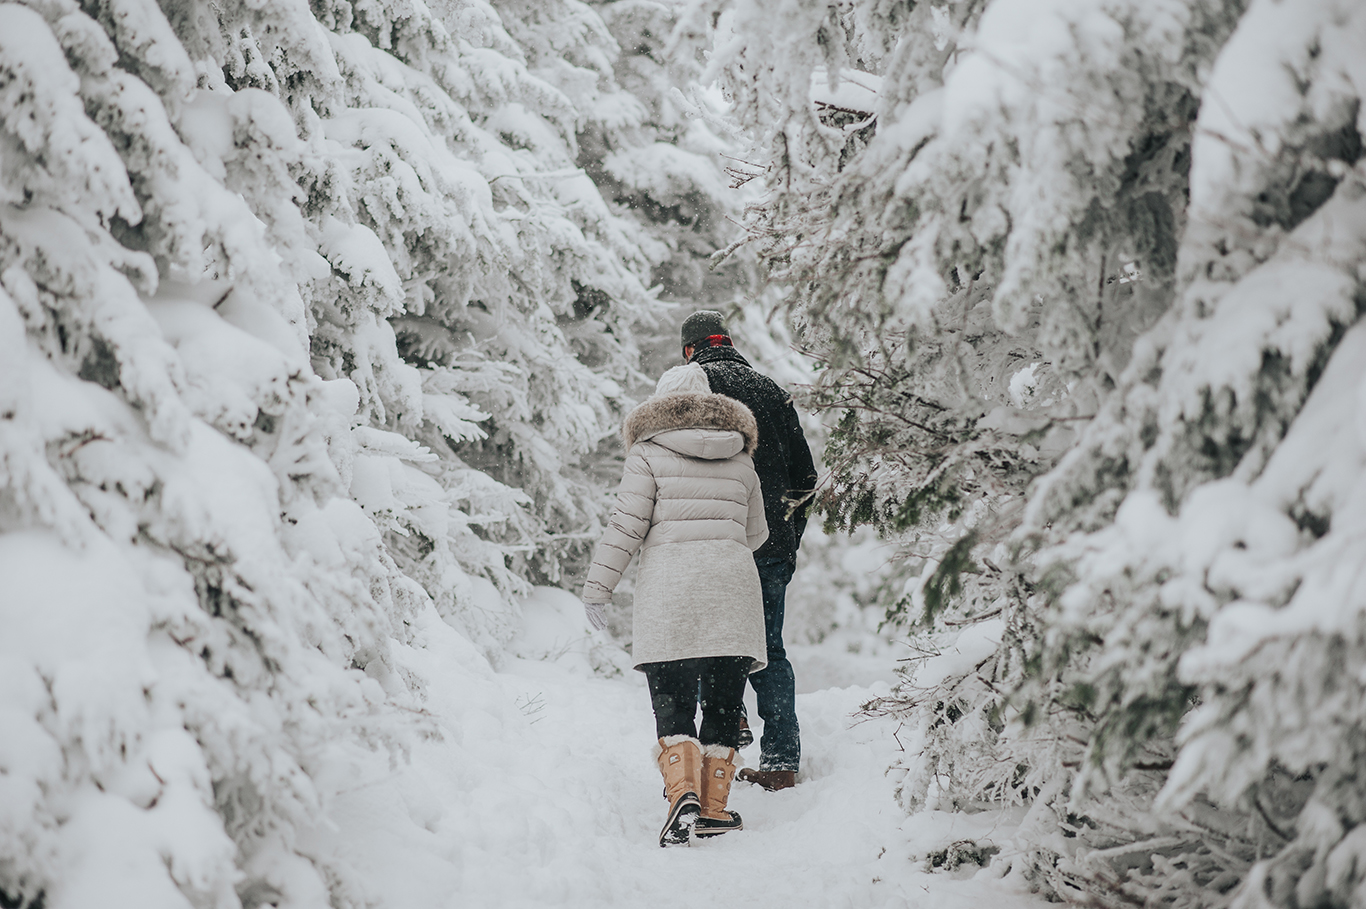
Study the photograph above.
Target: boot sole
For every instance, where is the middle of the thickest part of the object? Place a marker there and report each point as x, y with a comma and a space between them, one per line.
707, 827
683, 816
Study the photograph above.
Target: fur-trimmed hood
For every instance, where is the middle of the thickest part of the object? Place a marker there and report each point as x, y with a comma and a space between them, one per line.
663, 413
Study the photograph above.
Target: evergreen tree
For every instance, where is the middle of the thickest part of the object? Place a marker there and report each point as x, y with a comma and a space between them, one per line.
1084, 280
312, 320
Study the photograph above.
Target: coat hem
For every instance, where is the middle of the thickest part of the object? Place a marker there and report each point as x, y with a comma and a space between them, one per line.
756, 666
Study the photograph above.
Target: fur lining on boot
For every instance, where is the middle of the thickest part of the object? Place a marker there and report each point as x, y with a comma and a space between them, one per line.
715, 751
690, 411
660, 744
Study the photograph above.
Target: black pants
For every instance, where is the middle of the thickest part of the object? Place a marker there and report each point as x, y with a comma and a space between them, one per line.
674, 690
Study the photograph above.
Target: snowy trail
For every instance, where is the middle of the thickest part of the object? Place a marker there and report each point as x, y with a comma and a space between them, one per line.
541, 791
819, 838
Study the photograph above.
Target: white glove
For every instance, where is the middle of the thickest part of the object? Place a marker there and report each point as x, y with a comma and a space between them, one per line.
597, 615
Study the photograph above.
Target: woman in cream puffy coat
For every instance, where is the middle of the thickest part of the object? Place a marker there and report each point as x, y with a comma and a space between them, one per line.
690, 503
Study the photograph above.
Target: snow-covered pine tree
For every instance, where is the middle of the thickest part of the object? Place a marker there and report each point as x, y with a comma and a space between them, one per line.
1223, 581
656, 153
310, 324
1116, 249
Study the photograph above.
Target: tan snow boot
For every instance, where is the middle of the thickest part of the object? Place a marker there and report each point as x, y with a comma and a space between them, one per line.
680, 761
718, 770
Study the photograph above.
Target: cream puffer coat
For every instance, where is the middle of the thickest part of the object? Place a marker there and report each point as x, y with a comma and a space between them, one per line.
690, 503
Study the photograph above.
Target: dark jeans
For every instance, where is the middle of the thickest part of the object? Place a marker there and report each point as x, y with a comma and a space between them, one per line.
674, 689
780, 747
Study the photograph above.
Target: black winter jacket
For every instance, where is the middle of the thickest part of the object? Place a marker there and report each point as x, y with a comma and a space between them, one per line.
783, 459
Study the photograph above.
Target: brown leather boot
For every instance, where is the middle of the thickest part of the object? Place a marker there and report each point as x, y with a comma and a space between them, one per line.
718, 769
772, 780
680, 762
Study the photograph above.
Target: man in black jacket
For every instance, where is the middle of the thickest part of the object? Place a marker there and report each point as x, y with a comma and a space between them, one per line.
787, 475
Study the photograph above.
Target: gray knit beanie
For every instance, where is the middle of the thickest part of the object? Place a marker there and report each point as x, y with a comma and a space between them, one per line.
690, 380
703, 324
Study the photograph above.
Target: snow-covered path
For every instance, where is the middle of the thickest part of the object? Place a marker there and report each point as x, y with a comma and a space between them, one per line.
548, 797
823, 837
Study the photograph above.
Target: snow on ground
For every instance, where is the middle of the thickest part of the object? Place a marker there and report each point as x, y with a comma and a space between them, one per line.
542, 791
834, 664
